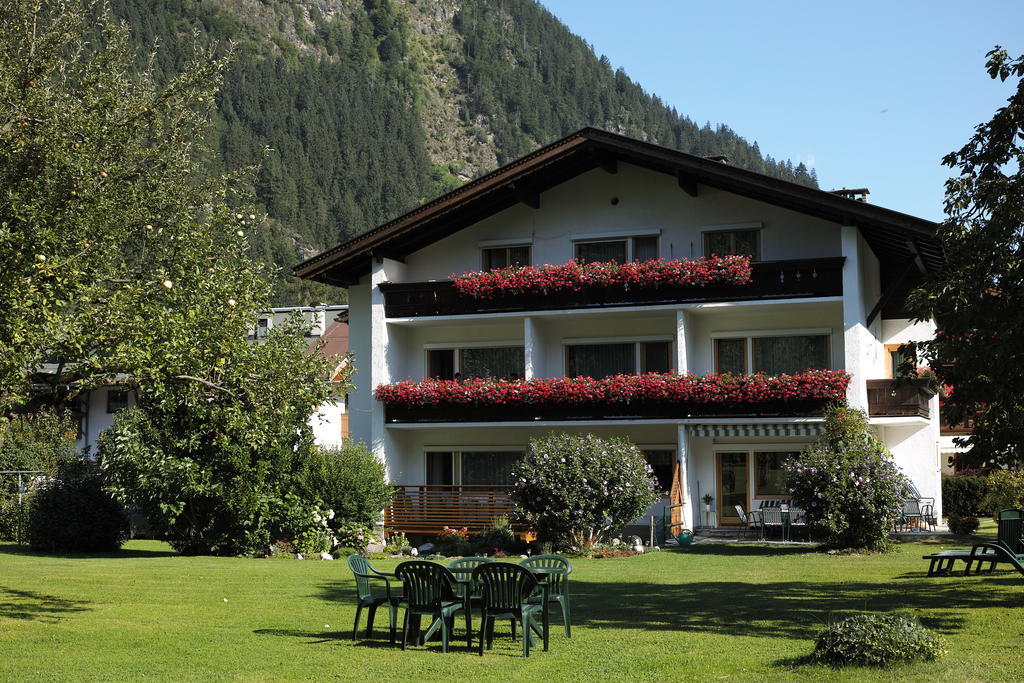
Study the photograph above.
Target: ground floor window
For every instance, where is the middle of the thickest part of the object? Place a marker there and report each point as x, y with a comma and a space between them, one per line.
662, 461
770, 473
471, 467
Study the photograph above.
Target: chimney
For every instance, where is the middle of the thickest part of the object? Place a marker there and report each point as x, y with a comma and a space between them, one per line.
859, 194
720, 158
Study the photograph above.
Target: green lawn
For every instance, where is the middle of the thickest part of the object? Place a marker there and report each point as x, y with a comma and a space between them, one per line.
710, 611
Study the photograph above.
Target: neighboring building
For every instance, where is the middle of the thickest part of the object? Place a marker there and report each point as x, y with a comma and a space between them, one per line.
95, 409
829, 279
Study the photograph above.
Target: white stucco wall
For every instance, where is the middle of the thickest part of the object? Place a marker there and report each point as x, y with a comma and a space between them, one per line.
327, 423
648, 201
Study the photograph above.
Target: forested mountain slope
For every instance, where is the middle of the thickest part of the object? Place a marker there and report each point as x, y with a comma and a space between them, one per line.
354, 111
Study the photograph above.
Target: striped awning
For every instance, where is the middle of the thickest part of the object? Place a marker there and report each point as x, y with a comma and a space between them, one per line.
756, 430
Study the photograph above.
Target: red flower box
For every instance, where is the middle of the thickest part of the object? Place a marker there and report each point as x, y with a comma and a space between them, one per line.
624, 394
575, 277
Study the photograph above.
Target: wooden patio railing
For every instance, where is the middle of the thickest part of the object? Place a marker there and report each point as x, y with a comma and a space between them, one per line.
426, 508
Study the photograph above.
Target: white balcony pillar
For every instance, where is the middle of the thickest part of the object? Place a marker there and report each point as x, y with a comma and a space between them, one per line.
856, 338
531, 348
681, 364
683, 454
381, 355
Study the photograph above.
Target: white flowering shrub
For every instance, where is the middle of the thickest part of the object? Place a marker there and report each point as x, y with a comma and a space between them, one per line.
848, 484
576, 489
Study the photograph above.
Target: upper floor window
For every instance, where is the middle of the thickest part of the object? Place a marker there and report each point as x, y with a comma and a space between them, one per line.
643, 248
503, 257
781, 355
500, 362
729, 242
262, 327
605, 360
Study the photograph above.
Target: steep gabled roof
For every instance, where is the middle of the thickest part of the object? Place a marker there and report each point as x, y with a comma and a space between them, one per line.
896, 238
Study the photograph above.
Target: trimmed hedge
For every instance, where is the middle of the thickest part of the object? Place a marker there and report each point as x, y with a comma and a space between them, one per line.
962, 496
73, 514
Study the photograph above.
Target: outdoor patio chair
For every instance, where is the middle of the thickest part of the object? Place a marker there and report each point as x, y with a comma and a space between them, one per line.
910, 516
771, 519
928, 513
365, 575
430, 590
507, 589
1011, 530
798, 522
558, 583
748, 520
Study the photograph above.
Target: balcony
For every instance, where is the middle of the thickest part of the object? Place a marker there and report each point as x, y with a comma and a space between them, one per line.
426, 508
795, 279
903, 398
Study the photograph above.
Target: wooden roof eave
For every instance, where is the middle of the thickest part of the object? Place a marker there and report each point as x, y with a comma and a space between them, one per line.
884, 229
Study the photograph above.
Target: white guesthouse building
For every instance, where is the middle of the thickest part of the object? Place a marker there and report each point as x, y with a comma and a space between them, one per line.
830, 274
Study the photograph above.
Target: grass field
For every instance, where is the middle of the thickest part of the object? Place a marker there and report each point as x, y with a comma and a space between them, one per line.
710, 611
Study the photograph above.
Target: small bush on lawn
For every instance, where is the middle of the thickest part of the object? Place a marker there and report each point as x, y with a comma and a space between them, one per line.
963, 525
847, 483
964, 495
575, 489
1004, 489
876, 640
348, 479
72, 513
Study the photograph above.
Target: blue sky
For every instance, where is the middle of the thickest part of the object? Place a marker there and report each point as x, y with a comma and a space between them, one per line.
871, 94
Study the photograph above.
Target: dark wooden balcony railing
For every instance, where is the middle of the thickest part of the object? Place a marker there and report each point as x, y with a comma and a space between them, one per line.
426, 508
962, 428
903, 398
640, 410
795, 279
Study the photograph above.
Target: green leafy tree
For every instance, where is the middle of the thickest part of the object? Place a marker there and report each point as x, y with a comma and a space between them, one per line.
214, 465
121, 257
977, 298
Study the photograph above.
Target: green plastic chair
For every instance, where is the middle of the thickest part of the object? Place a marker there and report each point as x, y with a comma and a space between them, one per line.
365, 575
1011, 530
506, 591
430, 590
463, 569
558, 583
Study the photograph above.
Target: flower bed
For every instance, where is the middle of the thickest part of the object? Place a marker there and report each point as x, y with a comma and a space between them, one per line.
575, 277
724, 390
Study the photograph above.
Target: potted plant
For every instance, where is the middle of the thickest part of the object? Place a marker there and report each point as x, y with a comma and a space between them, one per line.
708, 499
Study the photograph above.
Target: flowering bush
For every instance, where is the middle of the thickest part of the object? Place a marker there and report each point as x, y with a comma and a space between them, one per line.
354, 536
722, 389
449, 535
575, 489
574, 277
847, 483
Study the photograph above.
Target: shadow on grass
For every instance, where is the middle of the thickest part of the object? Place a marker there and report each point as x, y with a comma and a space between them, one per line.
32, 606
785, 608
24, 550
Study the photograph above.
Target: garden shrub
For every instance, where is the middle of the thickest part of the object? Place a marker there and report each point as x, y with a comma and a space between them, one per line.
1004, 489
847, 483
876, 640
575, 489
348, 479
42, 442
964, 495
963, 525
498, 537
354, 536
72, 513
